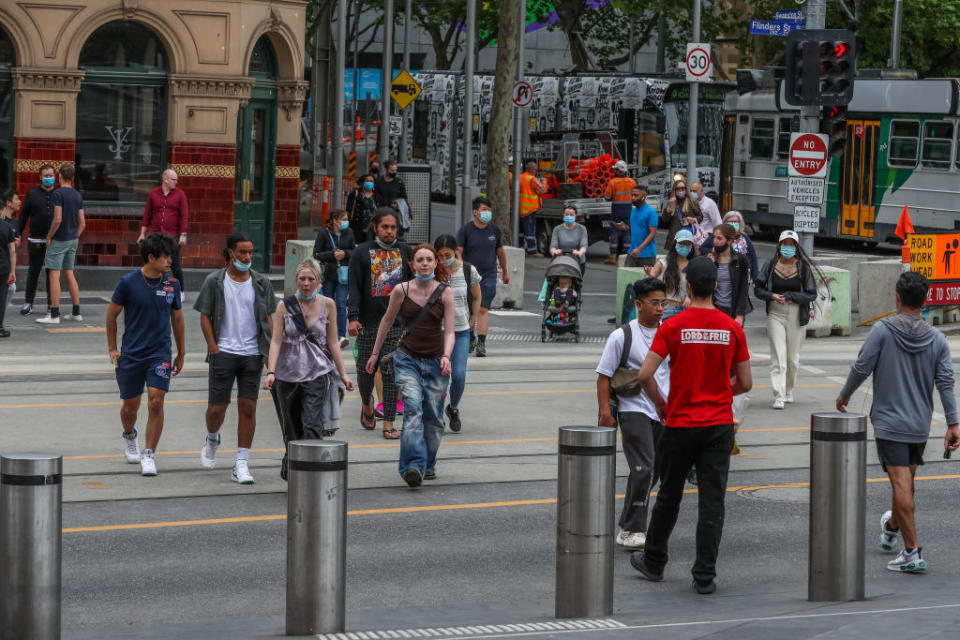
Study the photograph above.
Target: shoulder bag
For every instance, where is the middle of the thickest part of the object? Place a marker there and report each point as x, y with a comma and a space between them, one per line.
343, 270
296, 314
625, 382
388, 359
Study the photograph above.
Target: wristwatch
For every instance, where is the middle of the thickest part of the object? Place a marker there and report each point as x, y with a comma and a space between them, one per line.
445, 356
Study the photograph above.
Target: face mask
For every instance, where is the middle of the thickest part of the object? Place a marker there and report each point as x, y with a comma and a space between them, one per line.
344, 225
383, 245
683, 250
451, 261
694, 195
486, 216
639, 202
425, 278
310, 297
735, 225
368, 186
47, 182
569, 219
719, 248
681, 193
788, 252
241, 266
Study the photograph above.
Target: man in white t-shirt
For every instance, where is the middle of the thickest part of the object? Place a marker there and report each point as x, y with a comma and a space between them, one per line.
636, 414
235, 305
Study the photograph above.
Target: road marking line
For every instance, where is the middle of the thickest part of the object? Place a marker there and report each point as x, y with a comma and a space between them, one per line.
79, 330
815, 371
426, 508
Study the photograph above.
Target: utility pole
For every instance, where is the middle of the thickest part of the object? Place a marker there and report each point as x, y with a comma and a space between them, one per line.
662, 39
518, 129
694, 108
338, 104
386, 78
406, 65
895, 34
319, 79
815, 13
356, 87
469, 60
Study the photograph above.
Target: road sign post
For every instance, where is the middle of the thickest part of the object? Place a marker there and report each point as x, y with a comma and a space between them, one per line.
699, 68
807, 170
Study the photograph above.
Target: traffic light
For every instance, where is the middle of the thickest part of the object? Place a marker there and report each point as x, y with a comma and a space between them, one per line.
833, 122
820, 67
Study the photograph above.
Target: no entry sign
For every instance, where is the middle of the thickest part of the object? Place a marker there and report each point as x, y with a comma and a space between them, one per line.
808, 155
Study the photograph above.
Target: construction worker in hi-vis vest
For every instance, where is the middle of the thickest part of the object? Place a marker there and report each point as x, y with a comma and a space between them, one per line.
530, 190
618, 191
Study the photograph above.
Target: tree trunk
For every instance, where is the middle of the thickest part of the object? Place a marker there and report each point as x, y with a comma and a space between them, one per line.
501, 116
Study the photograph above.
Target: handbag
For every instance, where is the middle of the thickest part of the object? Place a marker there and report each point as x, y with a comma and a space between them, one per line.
625, 382
343, 270
388, 359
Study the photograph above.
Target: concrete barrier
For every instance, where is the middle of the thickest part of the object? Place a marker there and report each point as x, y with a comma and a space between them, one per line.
510, 296
831, 310
876, 281
850, 263
626, 276
297, 251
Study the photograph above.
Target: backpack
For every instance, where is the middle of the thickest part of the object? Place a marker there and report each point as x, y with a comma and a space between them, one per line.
468, 276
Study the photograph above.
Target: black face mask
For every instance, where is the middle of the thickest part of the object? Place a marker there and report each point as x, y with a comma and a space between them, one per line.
639, 202
720, 250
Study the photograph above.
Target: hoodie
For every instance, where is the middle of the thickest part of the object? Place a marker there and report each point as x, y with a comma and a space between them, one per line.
907, 357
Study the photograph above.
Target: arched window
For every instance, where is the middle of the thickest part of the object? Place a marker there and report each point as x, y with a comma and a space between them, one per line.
121, 113
6, 110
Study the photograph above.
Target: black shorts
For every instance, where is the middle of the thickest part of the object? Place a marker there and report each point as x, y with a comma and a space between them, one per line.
900, 454
227, 367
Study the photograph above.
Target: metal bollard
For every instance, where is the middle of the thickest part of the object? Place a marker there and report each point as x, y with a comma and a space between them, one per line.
838, 499
31, 500
585, 521
316, 537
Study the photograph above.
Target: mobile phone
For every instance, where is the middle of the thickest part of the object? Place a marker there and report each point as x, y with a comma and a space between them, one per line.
946, 454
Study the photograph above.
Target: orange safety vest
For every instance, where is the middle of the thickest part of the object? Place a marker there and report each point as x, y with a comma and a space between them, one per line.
529, 197
620, 190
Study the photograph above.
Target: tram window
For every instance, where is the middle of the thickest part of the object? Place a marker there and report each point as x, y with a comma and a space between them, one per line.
761, 138
937, 140
783, 138
904, 143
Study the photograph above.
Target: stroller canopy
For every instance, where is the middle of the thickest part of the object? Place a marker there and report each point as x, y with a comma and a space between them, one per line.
564, 266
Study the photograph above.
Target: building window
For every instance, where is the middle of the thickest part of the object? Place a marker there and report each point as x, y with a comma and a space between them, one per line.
6, 111
783, 138
761, 138
937, 142
904, 143
121, 113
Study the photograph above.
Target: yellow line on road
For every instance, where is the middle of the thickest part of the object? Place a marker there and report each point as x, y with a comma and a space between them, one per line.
438, 507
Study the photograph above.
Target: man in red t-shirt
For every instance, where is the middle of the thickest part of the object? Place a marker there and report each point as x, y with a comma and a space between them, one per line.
166, 212
704, 345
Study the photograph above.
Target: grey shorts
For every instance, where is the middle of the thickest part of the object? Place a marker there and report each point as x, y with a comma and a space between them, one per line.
61, 255
227, 367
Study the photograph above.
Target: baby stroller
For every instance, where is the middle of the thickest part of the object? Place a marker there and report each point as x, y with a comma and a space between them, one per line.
563, 318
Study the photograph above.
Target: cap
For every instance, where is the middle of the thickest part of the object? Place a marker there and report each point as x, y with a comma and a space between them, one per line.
620, 165
701, 269
789, 235
683, 236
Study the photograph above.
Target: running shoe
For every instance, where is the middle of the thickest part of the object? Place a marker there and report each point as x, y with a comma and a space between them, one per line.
412, 477
241, 472
208, 455
399, 406
453, 415
430, 475
48, 319
148, 463
705, 588
75, 317
473, 345
638, 562
378, 411
908, 562
26, 309
635, 540
131, 448
888, 537
481, 350
778, 403
344, 343
788, 398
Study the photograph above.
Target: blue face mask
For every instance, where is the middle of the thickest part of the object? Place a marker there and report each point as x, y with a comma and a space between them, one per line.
241, 266
683, 250
310, 297
486, 216
569, 219
344, 225
735, 225
451, 261
47, 182
694, 195
425, 278
368, 186
788, 251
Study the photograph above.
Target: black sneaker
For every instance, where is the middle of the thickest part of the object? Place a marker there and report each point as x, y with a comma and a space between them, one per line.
283, 467
692, 475
4, 333
638, 562
453, 415
26, 309
430, 475
412, 478
473, 345
481, 350
705, 588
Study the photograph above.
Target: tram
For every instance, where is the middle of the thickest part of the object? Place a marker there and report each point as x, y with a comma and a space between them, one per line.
899, 147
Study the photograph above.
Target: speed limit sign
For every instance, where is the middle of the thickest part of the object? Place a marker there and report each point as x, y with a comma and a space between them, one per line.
698, 65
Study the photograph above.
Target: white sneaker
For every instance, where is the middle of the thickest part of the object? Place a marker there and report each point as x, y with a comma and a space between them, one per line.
621, 536
906, 562
241, 472
788, 398
75, 318
208, 455
148, 463
888, 539
183, 297
344, 343
635, 540
778, 403
48, 319
131, 448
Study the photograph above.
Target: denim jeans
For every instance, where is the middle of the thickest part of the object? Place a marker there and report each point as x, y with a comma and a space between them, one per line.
422, 387
338, 293
458, 364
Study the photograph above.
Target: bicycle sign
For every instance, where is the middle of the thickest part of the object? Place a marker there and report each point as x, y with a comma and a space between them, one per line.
698, 65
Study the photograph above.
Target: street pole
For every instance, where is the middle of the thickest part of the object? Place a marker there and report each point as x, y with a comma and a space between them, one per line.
661, 39
406, 65
386, 77
356, 91
319, 77
895, 34
633, 66
338, 104
469, 60
694, 108
816, 17
518, 131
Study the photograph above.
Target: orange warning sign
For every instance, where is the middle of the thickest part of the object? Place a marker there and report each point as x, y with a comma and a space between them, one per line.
935, 255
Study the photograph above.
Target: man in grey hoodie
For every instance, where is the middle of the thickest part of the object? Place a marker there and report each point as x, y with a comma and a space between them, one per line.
907, 357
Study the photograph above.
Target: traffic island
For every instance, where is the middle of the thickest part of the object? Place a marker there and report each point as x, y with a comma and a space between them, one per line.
831, 309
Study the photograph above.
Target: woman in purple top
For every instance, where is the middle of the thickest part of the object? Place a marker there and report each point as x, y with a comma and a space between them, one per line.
305, 372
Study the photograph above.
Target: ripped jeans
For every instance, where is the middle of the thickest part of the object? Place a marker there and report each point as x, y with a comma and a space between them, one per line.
423, 389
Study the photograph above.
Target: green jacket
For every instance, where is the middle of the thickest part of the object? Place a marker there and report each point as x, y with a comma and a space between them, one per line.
210, 302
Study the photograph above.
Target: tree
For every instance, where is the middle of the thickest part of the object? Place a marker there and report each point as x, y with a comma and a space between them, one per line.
501, 113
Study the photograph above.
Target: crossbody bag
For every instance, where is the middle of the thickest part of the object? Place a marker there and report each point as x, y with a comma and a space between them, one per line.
342, 269
625, 382
296, 314
388, 359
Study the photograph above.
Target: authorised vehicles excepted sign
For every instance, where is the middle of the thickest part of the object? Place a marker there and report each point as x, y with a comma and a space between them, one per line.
805, 190
806, 219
